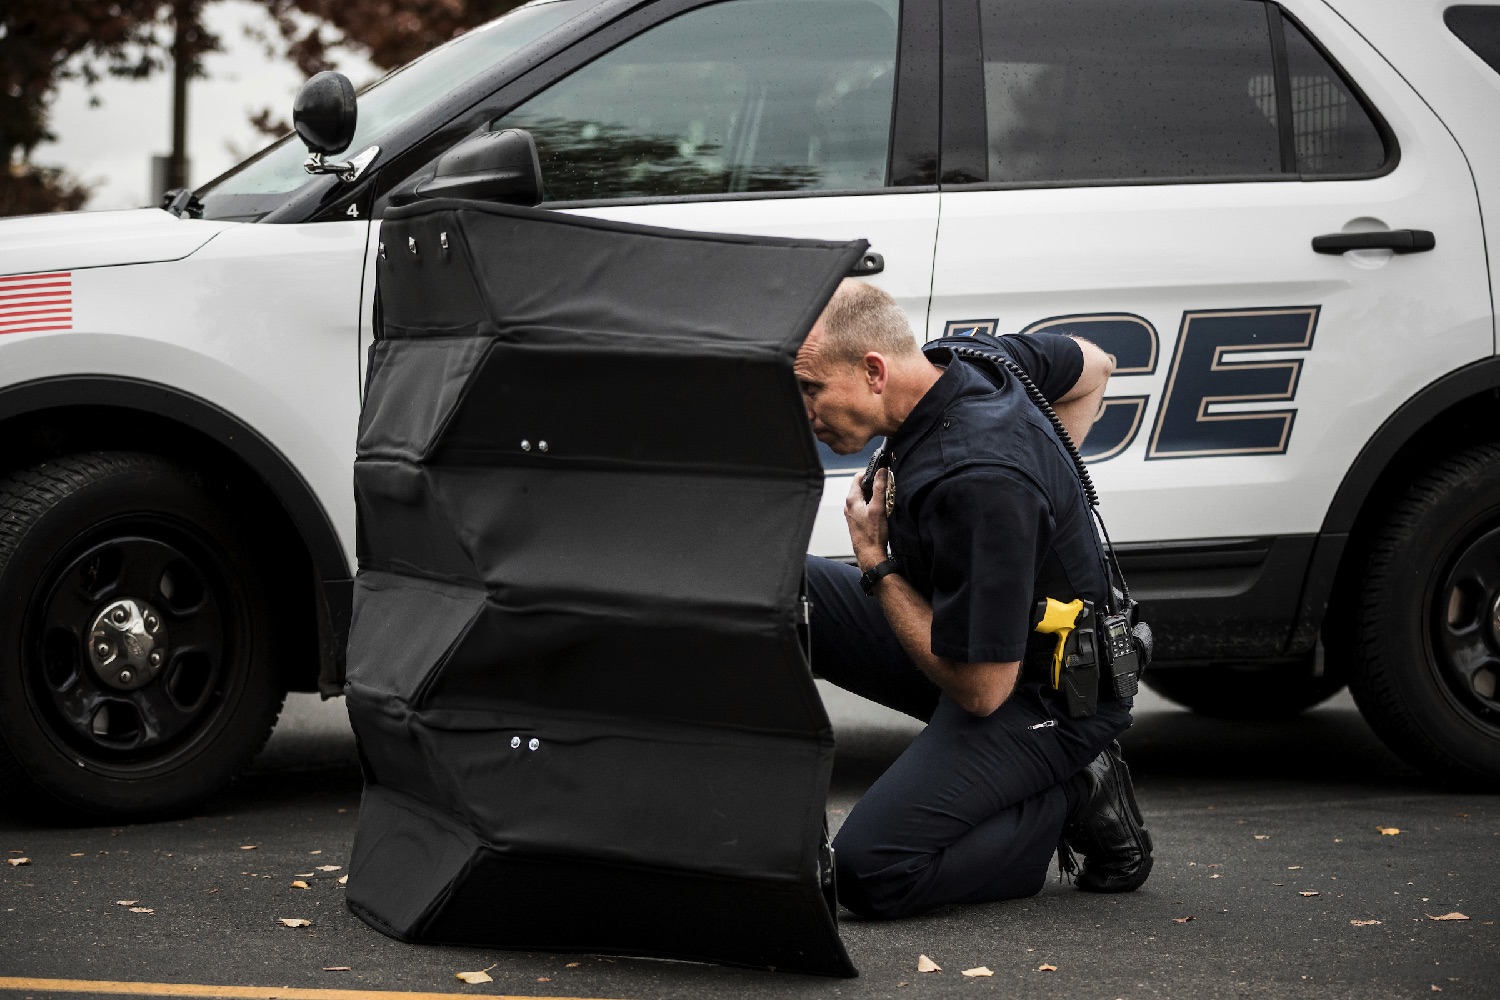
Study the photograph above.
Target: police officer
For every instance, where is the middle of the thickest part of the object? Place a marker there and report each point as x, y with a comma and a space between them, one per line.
979, 515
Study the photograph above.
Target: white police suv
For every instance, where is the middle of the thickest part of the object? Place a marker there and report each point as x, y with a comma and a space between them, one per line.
1271, 213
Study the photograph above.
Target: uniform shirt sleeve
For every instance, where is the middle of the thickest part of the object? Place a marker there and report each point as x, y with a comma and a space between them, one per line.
1053, 360
988, 528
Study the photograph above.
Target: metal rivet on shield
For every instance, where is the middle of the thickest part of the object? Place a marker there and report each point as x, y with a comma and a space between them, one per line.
541, 446
534, 743
515, 741
411, 244
443, 240
525, 445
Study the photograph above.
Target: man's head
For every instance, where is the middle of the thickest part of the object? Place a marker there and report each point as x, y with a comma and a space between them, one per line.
859, 367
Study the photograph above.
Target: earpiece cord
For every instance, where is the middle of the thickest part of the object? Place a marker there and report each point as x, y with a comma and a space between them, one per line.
1041, 402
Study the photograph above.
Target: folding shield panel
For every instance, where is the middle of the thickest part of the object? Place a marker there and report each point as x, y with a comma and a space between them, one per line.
585, 487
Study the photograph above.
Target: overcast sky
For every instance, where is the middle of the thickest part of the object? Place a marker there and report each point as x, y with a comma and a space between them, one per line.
111, 145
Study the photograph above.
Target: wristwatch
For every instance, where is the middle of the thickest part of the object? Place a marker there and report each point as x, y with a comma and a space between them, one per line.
870, 577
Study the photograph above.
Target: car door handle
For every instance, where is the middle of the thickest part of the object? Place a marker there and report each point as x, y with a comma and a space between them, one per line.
870, 263
1399, 240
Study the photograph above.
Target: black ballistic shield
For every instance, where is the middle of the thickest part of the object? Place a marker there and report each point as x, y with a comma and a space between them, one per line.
585, 485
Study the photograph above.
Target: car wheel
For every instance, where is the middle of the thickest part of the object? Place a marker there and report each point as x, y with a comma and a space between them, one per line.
1245, 690
1427, 625
135, 638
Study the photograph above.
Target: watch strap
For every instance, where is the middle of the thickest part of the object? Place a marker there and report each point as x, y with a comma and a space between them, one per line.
872, 576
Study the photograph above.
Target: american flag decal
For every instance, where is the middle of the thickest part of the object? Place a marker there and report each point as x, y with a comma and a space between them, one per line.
33, 302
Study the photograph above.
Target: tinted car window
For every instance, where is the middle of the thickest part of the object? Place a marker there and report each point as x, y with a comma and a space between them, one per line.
1333, 132
741, 96
1479, 29
1103, 90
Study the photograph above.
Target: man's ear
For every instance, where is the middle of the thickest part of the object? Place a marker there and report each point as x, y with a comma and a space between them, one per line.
876, 372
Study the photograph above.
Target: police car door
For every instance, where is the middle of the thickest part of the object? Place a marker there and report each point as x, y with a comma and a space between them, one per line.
1163, 177
804, 118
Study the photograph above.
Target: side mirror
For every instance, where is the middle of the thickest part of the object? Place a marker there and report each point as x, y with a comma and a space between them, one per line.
491, 166
324, 113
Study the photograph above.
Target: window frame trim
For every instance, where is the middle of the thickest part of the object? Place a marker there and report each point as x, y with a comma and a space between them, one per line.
959, 116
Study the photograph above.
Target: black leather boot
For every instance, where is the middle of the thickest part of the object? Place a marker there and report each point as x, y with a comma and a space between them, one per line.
1107, 829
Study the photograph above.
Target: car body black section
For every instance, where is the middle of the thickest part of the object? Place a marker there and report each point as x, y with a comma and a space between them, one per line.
578, 669
1220, 598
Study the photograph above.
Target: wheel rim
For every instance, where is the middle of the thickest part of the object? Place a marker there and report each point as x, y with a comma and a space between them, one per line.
1464, 628
127, 643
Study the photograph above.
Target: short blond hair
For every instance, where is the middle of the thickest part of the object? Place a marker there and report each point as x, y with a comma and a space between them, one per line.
861, 318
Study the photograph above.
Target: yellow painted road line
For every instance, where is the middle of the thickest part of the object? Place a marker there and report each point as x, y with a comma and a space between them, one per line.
232, 992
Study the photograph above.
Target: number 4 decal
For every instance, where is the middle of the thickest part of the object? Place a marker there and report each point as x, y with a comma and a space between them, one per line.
1191, 422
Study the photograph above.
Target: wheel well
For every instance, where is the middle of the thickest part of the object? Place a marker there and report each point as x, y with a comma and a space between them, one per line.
41, 435
1472, 420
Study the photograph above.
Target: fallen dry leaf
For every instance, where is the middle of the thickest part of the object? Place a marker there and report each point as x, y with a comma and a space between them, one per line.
1214, 876
78, 855
299, 884
1182, 920
1294, 868
925, 964
295, 921
1364, 923
1262, 836
320, 852
474, 977
978, 971
126, 902
1455, 915
1309, 892
344, 880
306, 875
248, 847
1046, 967
572, 965
544, 979
1388, 831
17, 862
141, 909
1435, 988
329, 868
338, 968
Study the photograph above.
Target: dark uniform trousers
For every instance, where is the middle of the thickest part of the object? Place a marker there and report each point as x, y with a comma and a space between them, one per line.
972, 811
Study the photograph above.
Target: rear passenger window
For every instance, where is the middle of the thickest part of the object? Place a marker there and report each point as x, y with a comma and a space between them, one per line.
1479, 29
1098, 90
1331, 129
1102, 90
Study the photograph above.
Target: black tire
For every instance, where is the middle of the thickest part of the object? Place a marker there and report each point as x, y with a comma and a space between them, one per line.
144, 540
1424, 624
1250, 690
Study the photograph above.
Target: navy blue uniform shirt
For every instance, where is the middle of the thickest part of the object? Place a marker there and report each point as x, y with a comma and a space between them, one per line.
989, 514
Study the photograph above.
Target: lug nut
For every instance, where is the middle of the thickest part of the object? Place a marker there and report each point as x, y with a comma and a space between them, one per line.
152, 624
119, 616
102, 649
126, 676
155, 658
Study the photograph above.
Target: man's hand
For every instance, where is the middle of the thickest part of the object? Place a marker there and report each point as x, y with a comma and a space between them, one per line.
868, 529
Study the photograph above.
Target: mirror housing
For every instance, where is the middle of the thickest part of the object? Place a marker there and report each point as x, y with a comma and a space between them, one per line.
324, 113
491, 166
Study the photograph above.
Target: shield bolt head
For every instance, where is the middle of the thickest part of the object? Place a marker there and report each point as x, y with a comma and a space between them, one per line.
534, 743
515, 741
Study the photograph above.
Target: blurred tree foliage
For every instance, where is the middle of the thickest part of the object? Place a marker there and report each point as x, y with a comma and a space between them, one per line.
44, 43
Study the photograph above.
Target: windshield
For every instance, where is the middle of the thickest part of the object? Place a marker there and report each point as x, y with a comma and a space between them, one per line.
259, 184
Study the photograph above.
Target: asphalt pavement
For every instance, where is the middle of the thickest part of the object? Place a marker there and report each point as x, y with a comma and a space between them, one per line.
1273, 878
